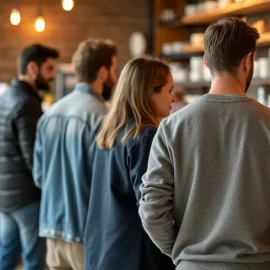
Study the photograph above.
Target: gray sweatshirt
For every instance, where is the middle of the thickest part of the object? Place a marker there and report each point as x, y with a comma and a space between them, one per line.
206, 193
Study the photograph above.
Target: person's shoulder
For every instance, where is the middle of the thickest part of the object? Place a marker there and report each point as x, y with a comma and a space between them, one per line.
97, 106
257, 110
183, 114
81, 103
145, 137
258, 106
13, 96
19, 102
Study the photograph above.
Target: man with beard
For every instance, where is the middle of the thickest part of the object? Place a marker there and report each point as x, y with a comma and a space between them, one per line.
20, 110
205, 195
64, 150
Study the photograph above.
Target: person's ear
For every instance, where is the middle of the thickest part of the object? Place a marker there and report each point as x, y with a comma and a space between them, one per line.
103, 73
205, 61
32, 69
248, 61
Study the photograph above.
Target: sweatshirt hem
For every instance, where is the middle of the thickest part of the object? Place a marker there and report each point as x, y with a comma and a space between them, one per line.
202, 265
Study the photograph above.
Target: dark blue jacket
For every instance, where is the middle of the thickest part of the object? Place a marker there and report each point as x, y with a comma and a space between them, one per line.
114, 236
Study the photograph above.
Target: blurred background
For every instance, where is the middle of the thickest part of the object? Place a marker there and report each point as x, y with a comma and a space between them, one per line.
171, 29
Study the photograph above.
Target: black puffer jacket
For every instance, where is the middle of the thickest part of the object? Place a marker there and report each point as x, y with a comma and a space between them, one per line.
19, 112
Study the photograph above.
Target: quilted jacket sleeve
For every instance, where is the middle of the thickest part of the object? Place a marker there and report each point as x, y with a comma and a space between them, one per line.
25, 122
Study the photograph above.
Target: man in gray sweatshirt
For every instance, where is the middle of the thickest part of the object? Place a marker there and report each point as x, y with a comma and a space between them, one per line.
206, 193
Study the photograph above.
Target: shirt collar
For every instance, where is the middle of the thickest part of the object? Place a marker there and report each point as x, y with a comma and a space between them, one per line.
84, 88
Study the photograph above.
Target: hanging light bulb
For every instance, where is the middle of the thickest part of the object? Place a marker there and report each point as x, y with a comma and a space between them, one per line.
15, 17
67, 4
40, 24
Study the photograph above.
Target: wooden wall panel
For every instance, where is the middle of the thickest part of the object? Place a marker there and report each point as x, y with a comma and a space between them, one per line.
115, 19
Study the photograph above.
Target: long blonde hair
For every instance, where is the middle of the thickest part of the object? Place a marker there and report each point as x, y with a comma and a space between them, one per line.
139, 79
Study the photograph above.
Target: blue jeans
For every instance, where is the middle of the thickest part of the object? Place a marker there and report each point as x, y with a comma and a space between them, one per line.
19, 232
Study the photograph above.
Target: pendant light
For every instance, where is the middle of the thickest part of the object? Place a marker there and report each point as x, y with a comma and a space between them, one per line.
40, 24
15, 17
67, 5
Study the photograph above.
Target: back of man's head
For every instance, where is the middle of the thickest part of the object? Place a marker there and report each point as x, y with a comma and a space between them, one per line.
227, 42
35, 53
90, 56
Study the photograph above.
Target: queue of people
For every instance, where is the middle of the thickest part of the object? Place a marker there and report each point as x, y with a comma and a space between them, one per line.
126, 186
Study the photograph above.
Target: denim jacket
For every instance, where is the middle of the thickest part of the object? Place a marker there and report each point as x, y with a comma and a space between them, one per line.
114, 236
62, 162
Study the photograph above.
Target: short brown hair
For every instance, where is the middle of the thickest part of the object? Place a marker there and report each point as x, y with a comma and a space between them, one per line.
90, 56
227, 42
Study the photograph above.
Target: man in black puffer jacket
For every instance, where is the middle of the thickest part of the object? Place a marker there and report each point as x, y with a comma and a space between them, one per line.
20, 109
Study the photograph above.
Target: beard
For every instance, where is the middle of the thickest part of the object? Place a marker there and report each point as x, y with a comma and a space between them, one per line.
42, 84
250, 75
107, 88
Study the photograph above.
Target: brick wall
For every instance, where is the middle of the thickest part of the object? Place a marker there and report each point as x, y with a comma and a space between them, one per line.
115, 19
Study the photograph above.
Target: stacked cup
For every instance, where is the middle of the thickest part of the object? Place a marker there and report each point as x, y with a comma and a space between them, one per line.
196, 69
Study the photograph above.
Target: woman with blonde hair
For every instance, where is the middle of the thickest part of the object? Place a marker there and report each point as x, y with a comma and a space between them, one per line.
114, 236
